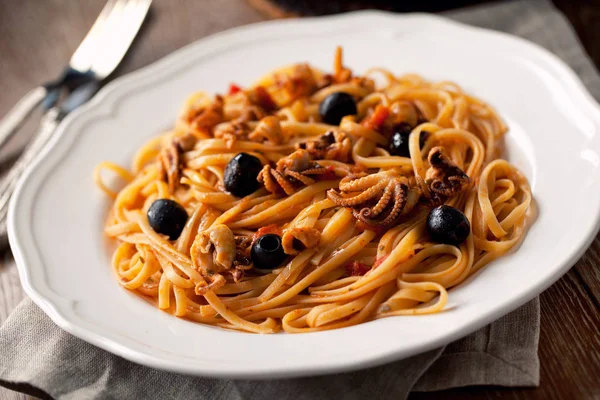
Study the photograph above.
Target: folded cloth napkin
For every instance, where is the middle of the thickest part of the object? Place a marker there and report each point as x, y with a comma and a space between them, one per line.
43, 360
39, 358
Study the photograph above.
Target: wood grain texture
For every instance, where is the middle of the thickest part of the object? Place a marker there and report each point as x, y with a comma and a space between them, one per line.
38, 37
588, 269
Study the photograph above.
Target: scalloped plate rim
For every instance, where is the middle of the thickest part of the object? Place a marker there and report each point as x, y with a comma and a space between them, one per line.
60, 311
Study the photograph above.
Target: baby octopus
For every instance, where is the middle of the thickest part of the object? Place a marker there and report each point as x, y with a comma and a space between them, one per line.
443, 178
301, 82
267, 130
333, 145
295, 240
220, 241
290, 172
375, 199
205, 118
169, 159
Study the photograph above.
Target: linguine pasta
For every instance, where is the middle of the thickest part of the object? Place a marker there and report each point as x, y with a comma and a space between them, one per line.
351, 216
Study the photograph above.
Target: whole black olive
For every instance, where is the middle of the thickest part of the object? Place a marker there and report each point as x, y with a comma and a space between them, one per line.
240, 174
448, 225
336, 106
399, 142
267, 252
167, 217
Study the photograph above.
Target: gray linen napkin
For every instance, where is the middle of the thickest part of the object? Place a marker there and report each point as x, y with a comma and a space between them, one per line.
39, 358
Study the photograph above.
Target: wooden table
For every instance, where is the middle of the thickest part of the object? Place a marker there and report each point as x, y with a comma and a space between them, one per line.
38, 37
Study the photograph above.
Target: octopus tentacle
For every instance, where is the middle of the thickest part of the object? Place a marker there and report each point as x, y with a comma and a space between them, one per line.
333, 145
315, 171
220, 241
285, 185
268, 129
382, 203
297, 175
400, 195
351, 184
368, 194
214, 282
206, 118
231, 132
267, 179
390, 190
291, 172
169, 159
169, 166
296, 239
444, 178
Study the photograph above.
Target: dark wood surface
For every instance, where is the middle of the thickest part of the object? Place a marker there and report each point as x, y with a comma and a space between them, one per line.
37, 38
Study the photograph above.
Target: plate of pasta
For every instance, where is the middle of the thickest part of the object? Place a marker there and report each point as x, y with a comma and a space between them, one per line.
334, 204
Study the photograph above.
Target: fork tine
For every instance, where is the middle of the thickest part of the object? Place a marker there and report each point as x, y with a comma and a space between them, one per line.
119, 33
81, 59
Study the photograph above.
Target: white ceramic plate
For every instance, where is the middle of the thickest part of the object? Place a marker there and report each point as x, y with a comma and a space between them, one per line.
57, 214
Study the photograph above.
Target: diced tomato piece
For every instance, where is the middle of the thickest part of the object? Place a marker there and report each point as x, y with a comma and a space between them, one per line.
330, 174
233, 88
273, 228
377, 118
355, 268
264, 99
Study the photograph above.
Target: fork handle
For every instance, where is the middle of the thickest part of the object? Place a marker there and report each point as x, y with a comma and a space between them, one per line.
48, 125
17, 115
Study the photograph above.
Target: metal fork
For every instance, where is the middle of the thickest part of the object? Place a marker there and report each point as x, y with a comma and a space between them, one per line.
96, 57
